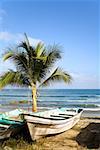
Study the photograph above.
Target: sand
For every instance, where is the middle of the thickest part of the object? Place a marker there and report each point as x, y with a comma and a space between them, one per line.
69, 140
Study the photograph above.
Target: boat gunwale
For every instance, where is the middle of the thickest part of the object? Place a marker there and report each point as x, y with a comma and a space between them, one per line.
54, 121
44, 117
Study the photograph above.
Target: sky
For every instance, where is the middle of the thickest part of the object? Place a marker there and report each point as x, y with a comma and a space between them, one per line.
73, 24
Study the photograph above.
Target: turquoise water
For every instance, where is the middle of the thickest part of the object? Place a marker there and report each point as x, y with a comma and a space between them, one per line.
52, 98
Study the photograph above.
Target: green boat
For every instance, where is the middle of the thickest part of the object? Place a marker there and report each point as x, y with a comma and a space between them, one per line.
11, 123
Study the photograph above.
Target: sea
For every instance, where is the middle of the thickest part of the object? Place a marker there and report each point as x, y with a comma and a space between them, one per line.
49, 98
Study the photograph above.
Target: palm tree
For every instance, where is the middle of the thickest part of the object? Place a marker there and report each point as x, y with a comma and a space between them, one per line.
33, 67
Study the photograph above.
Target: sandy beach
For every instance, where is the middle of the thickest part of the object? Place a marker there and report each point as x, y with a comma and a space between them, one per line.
64, 141
49, 64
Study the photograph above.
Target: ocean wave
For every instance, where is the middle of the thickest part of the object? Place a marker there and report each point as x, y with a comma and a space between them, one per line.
53, 104
85, 96
29, 95
68, 100
86, 105
70, 105
14, 96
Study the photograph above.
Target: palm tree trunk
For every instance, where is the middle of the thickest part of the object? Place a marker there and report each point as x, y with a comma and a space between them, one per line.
34, 99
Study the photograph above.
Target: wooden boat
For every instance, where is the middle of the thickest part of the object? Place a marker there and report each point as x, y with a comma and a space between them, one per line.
10, 123
51, 122
9, 130
5, 131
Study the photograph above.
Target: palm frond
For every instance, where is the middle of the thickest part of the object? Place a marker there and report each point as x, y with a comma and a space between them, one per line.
21, 62
53, 55
19, 59
33, 64
39, 49
57, 75
25, 45
9, 53
13, 78
27, 42
46, 61
38, 70
26, 38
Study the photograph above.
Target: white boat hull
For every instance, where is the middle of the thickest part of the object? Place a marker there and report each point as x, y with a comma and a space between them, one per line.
40, 127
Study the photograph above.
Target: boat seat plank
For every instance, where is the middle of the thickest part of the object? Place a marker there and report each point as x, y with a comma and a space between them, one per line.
61, 116
70, 115
46, 117
56, 117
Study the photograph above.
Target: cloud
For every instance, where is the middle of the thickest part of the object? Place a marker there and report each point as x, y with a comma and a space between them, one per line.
85, 80
34, 41
82, 77
7, 37
16, 38
5, 65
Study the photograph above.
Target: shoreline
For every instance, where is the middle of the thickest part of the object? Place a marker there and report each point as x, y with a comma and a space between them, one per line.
87, 112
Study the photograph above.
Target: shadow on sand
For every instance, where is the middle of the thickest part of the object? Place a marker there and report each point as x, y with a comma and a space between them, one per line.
90, 136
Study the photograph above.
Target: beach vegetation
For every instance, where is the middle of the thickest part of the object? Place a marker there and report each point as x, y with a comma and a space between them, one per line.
34, 67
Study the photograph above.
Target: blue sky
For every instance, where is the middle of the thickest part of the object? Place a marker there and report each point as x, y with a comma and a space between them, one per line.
74, 24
